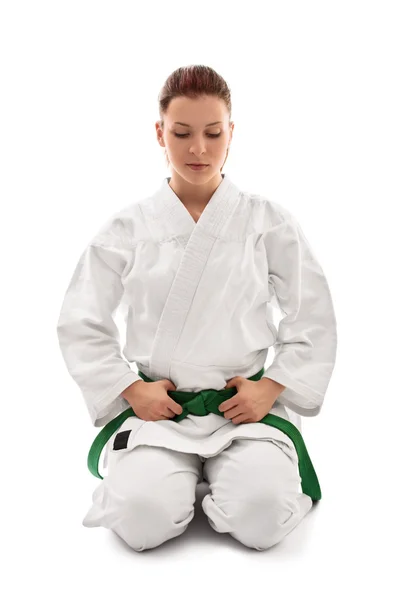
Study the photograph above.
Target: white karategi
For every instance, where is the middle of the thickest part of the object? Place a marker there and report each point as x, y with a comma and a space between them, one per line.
198, 302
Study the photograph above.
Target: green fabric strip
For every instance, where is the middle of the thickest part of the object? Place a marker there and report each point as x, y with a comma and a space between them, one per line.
201, 404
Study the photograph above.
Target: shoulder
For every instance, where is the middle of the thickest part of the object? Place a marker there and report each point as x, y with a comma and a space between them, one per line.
274, 213
122, 228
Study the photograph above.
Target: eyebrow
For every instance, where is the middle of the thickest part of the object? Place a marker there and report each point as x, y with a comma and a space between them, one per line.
186, 125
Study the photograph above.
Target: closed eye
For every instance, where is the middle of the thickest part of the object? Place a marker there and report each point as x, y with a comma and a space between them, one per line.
182, 135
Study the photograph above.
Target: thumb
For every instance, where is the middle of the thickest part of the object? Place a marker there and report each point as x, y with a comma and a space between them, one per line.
231, 383
168, 385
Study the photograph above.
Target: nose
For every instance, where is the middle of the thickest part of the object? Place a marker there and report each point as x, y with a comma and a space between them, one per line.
198, 147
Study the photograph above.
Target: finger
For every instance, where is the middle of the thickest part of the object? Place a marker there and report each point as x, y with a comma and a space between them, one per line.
174, 407
228, 405
234, 412
168, 413
239, 419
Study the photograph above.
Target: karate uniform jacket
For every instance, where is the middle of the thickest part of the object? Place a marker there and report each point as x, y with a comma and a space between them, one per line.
199, 302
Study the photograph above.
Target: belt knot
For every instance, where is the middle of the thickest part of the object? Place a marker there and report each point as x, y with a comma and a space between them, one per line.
199, 405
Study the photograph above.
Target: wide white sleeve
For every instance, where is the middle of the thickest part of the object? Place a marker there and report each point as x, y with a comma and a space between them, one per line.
305, 347
88, 335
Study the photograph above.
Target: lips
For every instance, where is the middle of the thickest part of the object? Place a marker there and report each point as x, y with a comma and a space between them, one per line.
198, 164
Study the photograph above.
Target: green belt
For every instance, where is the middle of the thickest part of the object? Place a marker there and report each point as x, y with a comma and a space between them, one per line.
201, 404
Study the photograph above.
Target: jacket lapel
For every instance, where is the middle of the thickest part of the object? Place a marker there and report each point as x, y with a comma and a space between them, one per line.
201, 238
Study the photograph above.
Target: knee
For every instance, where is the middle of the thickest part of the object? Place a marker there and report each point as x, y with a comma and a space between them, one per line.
147, 518
259, 520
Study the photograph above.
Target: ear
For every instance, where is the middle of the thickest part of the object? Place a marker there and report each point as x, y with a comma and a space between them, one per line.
232, 128
159, 134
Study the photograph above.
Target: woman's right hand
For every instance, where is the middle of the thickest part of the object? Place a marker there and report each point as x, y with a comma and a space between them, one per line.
150, 400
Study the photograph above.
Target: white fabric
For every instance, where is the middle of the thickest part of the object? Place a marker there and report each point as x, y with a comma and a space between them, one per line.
198, 301
206, 435
149, 494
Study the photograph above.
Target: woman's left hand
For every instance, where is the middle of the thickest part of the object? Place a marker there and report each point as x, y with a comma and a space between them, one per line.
254, 399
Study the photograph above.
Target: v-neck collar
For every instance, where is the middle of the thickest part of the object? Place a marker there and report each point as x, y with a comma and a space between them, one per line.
171, 197
166, 213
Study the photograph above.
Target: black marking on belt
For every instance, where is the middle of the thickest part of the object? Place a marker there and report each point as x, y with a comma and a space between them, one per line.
121, 439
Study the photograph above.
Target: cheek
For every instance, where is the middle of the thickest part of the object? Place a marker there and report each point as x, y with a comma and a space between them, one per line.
174, 150
223, 144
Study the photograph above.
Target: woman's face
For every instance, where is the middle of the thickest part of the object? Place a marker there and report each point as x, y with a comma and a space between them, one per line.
204, 137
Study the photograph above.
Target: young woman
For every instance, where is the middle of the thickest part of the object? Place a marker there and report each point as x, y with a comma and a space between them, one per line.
197, 267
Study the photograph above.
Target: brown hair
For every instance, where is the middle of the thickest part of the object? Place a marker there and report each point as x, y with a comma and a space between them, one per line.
193, 81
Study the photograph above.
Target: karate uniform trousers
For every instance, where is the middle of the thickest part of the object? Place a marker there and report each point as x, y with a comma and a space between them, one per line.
148, 495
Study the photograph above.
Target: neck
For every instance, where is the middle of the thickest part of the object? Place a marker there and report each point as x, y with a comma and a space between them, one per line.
194, 196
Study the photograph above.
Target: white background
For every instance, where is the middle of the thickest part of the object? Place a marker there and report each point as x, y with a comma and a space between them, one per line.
315, 95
